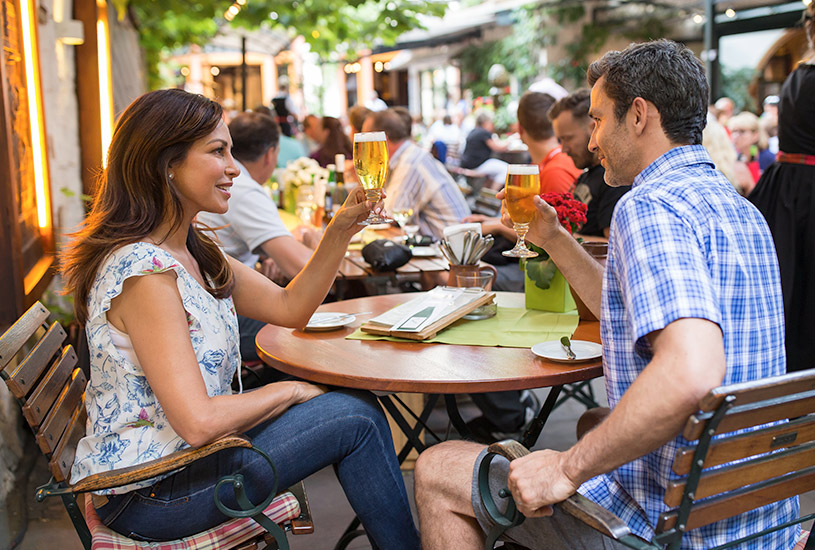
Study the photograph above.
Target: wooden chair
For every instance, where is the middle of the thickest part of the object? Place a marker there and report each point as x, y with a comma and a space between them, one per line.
771, 463
41, 372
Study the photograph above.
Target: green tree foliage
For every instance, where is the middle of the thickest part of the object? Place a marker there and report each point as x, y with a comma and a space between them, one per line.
735, 85
331, 28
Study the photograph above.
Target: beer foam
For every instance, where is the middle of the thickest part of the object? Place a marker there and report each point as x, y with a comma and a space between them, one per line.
523, 169
363, 137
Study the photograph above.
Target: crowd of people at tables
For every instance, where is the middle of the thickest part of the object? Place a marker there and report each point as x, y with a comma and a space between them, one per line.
161, 302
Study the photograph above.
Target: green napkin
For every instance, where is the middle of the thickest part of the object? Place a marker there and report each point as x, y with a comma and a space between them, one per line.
510, 328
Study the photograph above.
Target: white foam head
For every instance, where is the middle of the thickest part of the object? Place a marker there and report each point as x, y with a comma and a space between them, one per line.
361, 137
523, 169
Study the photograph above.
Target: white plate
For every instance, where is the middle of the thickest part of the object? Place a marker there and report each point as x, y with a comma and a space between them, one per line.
327, 320
552, 350
424, 251
378, 226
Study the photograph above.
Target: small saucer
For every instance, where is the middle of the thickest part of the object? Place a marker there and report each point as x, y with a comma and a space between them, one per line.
583, 350
325, 321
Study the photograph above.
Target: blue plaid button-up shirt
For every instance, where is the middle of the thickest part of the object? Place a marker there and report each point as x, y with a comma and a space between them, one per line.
684, 244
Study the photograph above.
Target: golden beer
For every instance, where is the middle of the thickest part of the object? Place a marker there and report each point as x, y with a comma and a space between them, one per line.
371, 159
371, 165
520, 206
523, 183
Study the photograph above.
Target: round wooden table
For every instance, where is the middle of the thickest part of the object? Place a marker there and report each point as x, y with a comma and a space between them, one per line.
328, 358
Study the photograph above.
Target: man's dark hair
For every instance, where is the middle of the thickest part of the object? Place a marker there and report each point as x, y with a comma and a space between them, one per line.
357, 115
577, 102
405, 114
532, 109
252, 135
390, 122
665, 73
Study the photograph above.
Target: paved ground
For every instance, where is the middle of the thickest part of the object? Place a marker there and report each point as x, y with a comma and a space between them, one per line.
48, 524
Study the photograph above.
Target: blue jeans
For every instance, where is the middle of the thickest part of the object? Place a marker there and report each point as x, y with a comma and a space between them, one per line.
344, 428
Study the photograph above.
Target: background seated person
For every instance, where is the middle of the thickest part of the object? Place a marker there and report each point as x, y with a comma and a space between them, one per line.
333, 142
158, 299
415, 179
573, 127
674, 324
252, 224
479, 146
557, 175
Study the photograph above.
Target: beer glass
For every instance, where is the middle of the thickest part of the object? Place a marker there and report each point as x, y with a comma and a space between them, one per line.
371, 165
523, 183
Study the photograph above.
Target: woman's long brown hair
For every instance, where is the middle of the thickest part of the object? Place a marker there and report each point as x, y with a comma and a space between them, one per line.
135, 194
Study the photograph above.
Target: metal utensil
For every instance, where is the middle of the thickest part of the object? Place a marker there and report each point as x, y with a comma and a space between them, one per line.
466, 248
449, 254
567, 347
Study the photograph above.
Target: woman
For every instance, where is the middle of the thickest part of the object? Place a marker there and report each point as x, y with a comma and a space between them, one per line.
159, 300
334, 142
786, 196
750, 141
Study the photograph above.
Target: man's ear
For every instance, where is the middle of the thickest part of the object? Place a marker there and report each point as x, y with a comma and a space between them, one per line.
638, 114
270, 158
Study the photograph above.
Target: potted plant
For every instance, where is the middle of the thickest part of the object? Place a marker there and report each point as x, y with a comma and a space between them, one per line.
545, 287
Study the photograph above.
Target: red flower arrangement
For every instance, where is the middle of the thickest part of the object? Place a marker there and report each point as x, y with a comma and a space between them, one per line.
571, 214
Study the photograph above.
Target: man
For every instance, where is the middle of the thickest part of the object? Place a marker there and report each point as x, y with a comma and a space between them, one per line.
415, 179
252, 224
572, 126
691, 299
479, 146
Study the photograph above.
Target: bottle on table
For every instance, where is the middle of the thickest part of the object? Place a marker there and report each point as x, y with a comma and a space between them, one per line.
340, 193
330, 189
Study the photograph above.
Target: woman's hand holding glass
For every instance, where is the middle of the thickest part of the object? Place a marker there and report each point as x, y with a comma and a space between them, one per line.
371, 166
356, 209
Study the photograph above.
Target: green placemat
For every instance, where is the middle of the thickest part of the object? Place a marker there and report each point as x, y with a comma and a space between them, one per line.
511, 328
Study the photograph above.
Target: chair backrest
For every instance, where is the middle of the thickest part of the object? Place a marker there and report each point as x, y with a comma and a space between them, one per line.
726, 474
41, 372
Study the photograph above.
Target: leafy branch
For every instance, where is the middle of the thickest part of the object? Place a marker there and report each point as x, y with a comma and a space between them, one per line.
331, 28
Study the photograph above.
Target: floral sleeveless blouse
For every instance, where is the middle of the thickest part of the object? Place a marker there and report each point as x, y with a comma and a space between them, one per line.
126, 424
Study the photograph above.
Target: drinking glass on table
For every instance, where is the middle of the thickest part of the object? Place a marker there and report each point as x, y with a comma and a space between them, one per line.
523, 183
305, 204
403, 217
371, 166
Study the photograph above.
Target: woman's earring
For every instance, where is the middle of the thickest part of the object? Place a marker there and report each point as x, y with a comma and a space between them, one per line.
170, 175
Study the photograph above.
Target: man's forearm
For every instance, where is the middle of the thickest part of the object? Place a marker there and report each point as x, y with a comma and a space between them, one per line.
656, 406
584, 273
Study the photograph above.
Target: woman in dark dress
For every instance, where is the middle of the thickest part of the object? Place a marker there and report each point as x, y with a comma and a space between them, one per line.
785, 194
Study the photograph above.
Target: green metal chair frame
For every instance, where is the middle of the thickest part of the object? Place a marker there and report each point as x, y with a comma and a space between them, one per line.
50, 390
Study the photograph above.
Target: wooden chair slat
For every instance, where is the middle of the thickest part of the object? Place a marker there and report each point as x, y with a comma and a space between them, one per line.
63, 458
742, 474
728, 449
44, 395
740, 501
800, 405
768, 388
55, 423
31, 368
153, 468
13, 339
